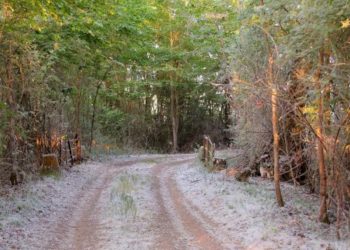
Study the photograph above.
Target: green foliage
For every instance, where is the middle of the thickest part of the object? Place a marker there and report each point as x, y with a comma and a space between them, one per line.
138, 50
112, 120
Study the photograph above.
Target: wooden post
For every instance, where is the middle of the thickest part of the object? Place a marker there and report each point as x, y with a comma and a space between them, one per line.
60, 152
205, 150
77, 145
208, 151
70, 153
66, 153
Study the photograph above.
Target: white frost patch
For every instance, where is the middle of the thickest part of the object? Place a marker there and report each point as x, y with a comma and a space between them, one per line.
247, 212
29, 211
130, 212
38, 214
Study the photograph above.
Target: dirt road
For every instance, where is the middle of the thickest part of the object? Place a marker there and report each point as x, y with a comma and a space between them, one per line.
176, 224
155, 202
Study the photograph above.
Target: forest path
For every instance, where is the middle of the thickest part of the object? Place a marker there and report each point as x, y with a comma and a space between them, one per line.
156, 202
177, 224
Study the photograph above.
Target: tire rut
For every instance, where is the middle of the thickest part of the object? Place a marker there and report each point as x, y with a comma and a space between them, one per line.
170, 235
86, 230
78, 227
215, 228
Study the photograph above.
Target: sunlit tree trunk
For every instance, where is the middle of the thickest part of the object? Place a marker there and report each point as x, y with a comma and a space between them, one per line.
323, 214
274, 103
274, 119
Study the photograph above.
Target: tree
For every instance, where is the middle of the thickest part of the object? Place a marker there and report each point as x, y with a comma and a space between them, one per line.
275, 132
323, 215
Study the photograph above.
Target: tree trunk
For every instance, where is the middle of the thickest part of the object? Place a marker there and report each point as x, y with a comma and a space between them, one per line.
77, 122
173, 39
274, 102
174, 117
323, 214
93, 116
274, 119
292, 175
11, 145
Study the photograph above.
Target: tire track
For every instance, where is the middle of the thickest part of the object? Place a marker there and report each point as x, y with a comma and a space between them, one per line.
201, 238
85, 233
214, 227
78, 227
169, 235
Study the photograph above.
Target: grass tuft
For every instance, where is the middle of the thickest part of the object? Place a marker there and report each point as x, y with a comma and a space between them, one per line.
55, 174
121, 195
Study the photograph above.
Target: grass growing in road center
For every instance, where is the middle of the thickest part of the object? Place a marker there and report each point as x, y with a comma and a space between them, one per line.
121, 195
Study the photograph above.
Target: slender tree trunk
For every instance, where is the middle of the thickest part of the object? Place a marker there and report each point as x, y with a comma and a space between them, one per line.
274, 119
174, 37
327, 93
174, 117
77, 121
323, 214
11, 146
292, 175
93, 116
274, 102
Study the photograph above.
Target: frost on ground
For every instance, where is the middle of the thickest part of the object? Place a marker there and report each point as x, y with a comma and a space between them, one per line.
157, 202
39, 213
29, 211
247, 212
130, 210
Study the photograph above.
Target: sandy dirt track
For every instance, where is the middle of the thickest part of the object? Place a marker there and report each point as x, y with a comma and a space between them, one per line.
175, 226
156, 202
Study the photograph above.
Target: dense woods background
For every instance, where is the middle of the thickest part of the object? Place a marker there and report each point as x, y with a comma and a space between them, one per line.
268, 77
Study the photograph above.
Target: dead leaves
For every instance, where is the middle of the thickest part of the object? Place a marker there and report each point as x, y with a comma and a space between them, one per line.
345, 24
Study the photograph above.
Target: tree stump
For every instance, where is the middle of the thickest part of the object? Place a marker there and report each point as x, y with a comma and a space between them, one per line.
208, 152
49, 162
